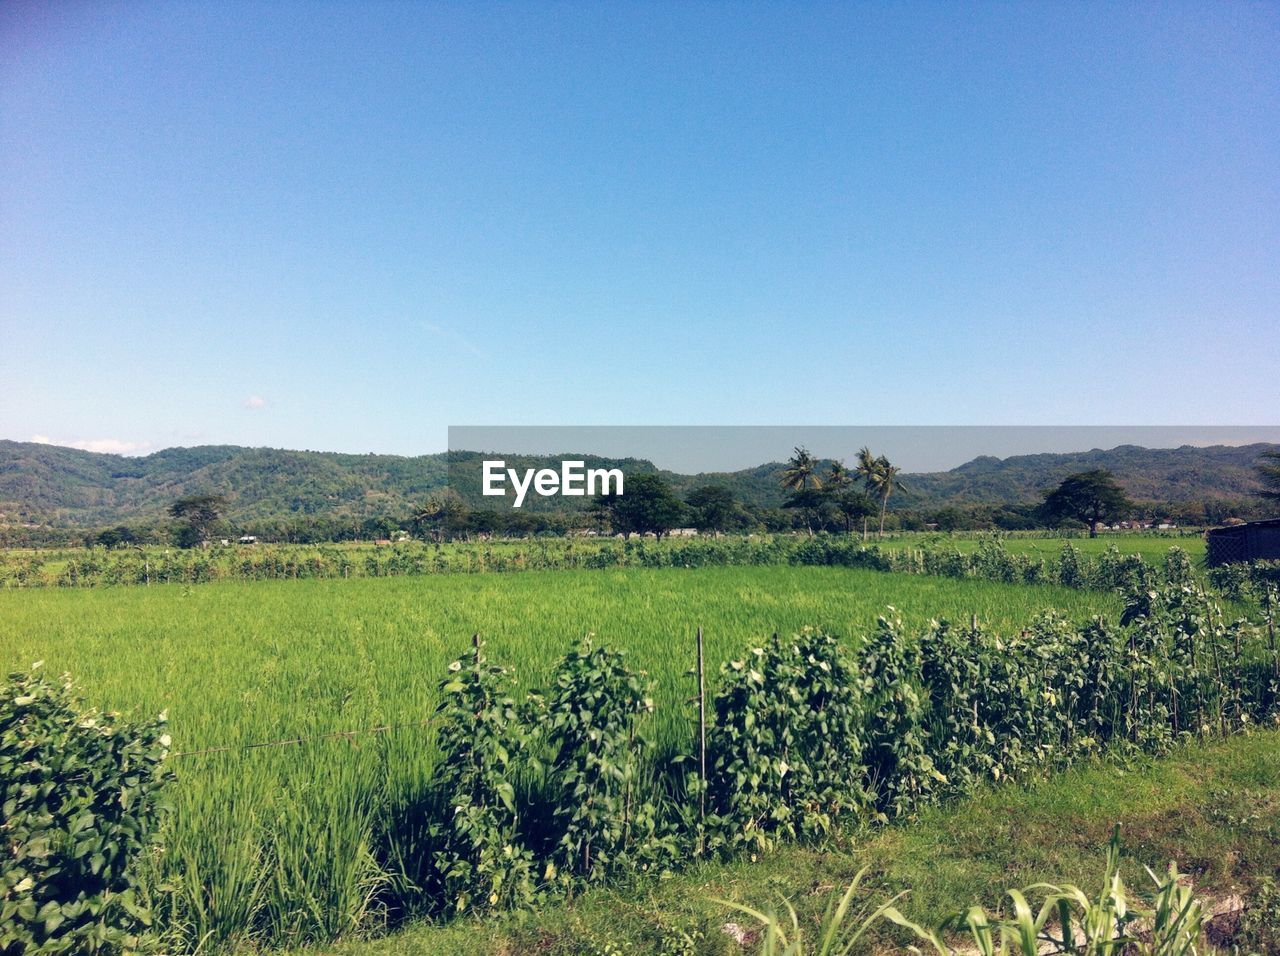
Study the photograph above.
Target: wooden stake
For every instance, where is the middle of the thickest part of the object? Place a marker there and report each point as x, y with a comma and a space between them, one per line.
702, 739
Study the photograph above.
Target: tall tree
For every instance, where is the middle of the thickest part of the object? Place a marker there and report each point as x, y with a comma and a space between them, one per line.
800, 477
714, 508
849, 503
880, 476
443, 516
1090, 497
647, 506
838, 477
201, 514
810, 502
1269, 474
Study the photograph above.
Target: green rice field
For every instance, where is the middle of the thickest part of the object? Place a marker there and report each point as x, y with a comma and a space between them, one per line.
300, 840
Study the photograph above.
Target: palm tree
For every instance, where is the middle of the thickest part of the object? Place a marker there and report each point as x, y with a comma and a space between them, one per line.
881, 478
800, 476
429, 514
838, 477
800, 471
839, 489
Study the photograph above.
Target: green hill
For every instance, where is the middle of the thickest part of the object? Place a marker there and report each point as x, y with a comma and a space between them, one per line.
47, 484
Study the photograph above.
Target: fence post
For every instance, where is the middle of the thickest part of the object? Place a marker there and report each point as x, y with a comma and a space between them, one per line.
702, 744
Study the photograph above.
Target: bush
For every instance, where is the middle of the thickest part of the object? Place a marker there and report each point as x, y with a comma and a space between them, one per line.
900, 768
786, 745
604, 822
480, 861
80, 799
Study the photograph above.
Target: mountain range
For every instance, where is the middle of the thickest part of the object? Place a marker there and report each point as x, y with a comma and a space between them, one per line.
52, 485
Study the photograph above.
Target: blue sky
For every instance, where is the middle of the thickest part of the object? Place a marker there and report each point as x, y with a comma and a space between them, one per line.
348, 226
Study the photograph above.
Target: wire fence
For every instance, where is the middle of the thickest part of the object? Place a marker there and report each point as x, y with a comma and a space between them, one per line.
291, 741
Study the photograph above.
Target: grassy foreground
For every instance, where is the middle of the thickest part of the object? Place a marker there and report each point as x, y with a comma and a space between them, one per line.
1214, 808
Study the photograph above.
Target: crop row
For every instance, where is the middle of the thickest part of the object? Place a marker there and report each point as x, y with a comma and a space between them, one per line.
991, 560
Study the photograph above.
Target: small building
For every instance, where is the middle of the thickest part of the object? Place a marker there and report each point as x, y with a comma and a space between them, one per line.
1252, 541
248, 539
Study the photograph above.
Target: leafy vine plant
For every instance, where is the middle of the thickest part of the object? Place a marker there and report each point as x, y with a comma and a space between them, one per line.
595, 717
480, 861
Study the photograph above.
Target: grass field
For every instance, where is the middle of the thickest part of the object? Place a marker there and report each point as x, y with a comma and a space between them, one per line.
301, 837
301, 656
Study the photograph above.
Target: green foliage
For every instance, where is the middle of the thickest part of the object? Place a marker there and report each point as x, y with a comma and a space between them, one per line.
200, 514
606, 820
80, 800
1070, 572
714, 508
480, 860
1070, 922
325, 496
842, 927
1089, 497
901, 771
301, 843
786, 745
1178, 569
240, 664
1269, 474
881, 479
994, 558
1063, 920
1260, 923
648, 507
1248, 581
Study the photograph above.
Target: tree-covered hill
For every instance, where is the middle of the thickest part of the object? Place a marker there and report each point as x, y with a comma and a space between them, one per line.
1180, 474
47, 484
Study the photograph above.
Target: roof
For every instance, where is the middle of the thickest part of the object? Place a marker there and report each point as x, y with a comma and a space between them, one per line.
1264, 523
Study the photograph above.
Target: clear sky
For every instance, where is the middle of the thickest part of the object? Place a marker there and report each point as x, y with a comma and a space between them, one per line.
348, 226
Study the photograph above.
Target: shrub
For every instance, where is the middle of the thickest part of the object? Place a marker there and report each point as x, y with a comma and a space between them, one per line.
80, 799
604, 822
902, 772
786, 746
480, 862
1071, 571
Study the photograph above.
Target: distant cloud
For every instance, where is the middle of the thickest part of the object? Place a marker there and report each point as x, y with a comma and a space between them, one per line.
107, 446
255, 402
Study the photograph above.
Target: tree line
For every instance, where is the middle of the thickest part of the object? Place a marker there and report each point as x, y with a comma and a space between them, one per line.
833, 499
